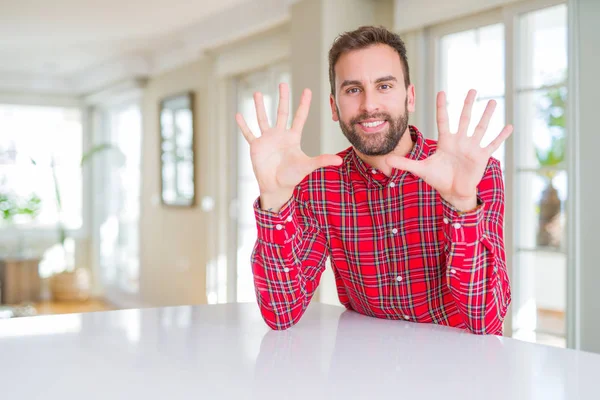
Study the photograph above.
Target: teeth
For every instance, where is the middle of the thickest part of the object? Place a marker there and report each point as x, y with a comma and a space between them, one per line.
372, 124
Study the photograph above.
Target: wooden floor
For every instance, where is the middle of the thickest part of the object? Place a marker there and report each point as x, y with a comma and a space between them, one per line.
60, 307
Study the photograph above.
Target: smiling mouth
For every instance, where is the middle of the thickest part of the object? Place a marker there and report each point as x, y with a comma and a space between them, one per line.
372, 126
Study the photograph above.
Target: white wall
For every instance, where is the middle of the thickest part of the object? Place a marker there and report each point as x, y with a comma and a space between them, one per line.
173, 248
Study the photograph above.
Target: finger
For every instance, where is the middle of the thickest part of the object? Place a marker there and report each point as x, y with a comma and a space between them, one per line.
261, 113
283, 110
482, 126
324, 160
406, 164
248, 135
497, 142
465, 116
442, 114
302, 112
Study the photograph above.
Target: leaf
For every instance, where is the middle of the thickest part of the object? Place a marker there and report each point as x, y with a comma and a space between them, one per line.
554, 111
56, 188
97, 149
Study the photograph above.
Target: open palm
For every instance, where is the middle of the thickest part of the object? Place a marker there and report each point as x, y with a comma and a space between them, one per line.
457, 166
278, 161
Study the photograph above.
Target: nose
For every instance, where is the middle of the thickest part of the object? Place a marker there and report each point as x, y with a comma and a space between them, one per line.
369, 102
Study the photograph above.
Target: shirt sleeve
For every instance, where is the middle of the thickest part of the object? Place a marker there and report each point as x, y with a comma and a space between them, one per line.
287, 261
475, 269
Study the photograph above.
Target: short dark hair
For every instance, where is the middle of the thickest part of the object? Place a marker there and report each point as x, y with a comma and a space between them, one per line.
361, 38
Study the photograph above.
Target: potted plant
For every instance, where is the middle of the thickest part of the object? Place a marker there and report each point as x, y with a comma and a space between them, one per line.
74, 282
549, 227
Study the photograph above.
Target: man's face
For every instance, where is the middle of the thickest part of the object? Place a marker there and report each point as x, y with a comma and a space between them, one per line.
372, 102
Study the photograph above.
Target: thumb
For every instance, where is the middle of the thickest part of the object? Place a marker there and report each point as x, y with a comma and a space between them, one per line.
405, 164
325, 160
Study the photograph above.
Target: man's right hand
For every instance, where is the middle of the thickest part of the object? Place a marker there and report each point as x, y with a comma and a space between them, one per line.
278, 162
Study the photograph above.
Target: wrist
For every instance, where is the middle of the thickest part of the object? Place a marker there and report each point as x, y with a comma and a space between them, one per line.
462, 204
273, 202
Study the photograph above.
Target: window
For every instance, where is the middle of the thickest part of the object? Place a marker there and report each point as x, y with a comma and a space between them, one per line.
37, 145
267, 82
49, 136
474, 59
473, 53
118, 200
540, 173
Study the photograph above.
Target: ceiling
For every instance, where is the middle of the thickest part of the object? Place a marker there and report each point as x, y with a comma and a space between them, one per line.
74, 46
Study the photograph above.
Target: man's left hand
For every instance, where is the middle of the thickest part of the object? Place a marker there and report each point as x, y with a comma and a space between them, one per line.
457, 166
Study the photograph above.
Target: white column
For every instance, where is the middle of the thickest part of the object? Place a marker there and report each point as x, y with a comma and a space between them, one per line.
584, 274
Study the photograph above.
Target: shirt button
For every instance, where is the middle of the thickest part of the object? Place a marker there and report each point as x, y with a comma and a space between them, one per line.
394, 231
392, 184
278, 227
286, 269
406, 317
398, 278
289, 219
373, 171
457, 226
452, 271
446, 220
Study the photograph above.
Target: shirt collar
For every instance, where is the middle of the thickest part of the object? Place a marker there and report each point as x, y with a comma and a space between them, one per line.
374, 177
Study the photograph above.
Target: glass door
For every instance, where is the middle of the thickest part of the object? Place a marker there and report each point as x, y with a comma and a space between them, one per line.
117, 205
531, 94
541, 177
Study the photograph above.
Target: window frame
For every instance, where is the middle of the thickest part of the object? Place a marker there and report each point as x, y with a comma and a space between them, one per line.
100, 107
508, 16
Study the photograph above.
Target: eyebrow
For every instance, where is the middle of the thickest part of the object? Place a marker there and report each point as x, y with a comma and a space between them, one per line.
378, 80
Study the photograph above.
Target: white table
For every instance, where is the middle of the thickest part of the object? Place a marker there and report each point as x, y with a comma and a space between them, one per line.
227, 352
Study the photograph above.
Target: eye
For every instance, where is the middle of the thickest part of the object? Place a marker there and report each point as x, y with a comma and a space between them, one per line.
353, 90
385, 86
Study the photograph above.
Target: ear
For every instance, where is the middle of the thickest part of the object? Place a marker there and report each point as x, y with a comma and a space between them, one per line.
334, 113
410, 94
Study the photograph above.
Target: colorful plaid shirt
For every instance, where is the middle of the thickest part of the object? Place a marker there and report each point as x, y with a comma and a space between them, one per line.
397, 249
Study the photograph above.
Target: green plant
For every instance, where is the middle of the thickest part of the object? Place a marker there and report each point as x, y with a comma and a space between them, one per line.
552, 157
8, 206
12, 205
553, 112
553, 109
31, 206
556, 108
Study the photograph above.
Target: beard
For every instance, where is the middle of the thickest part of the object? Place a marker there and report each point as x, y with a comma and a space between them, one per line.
376, 144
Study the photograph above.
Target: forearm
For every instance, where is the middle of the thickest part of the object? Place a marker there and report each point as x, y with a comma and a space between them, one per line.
475, 269
287, 261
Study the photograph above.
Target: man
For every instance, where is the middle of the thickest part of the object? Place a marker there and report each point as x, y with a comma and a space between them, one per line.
413, 227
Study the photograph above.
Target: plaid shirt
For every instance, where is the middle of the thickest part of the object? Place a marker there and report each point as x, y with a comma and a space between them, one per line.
397, 249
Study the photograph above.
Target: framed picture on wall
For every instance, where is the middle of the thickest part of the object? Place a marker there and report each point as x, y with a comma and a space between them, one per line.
177, 157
